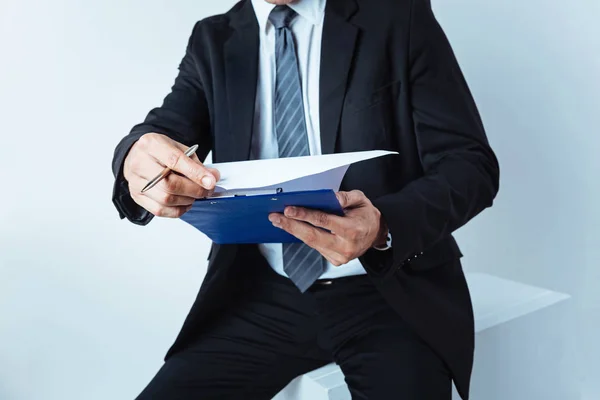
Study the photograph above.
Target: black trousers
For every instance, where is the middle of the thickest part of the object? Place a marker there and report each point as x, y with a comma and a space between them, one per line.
274, 333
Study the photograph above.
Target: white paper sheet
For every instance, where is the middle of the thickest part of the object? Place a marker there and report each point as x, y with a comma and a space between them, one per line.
290, 174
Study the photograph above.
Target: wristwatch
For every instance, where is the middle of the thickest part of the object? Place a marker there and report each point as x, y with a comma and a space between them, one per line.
388, 243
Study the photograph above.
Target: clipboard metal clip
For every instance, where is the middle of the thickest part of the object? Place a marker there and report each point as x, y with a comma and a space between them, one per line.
246, 192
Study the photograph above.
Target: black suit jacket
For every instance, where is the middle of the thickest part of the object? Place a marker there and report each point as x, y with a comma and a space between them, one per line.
389, 80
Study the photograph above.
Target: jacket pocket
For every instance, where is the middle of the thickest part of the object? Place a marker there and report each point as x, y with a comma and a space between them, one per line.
380, 95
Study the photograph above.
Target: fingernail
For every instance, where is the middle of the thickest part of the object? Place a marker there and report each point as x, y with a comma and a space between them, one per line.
291, 211
208, 182
275, 219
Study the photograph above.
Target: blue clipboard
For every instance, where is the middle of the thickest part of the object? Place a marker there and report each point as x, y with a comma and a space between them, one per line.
245, 219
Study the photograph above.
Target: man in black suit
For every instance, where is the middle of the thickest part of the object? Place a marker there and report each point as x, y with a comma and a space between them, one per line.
383, 294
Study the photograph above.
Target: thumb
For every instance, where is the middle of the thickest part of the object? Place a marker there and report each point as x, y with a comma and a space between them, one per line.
351, 199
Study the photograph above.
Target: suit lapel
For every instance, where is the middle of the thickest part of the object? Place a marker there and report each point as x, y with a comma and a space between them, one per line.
337, 51
241, 74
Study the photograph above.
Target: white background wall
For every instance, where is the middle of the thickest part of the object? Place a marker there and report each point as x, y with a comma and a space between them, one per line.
89, 304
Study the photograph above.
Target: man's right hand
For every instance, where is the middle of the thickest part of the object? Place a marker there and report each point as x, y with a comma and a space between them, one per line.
173, 196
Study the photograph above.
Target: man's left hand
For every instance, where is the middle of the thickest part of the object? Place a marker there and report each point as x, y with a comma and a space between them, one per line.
349, 237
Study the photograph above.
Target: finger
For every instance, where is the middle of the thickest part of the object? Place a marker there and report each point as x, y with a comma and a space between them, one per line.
145, 167
326, 244
182, 186
317, 218
195, 158
351, 199
141, 164
159, 195
215, 173
313, 237
171, 156
173, 183
168, 199
159, 210
184, 148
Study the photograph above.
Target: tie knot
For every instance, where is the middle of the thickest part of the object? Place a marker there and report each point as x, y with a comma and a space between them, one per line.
282, 16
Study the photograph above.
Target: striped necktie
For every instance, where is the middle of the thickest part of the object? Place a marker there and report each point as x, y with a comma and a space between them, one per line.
301, 263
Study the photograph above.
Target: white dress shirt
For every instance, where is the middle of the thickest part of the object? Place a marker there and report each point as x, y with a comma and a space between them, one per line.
307, 28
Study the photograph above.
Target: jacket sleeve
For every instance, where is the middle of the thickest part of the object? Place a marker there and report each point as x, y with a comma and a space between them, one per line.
461, 172
183, 116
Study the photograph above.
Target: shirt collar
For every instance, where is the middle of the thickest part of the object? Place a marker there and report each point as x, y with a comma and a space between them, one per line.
311, 10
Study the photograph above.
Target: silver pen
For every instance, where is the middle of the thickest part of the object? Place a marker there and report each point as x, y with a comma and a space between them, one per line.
165, 172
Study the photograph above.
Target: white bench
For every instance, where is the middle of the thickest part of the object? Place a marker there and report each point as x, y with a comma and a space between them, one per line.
508, 357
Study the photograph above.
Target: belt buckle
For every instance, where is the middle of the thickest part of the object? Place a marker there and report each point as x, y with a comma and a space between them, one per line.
325, 282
